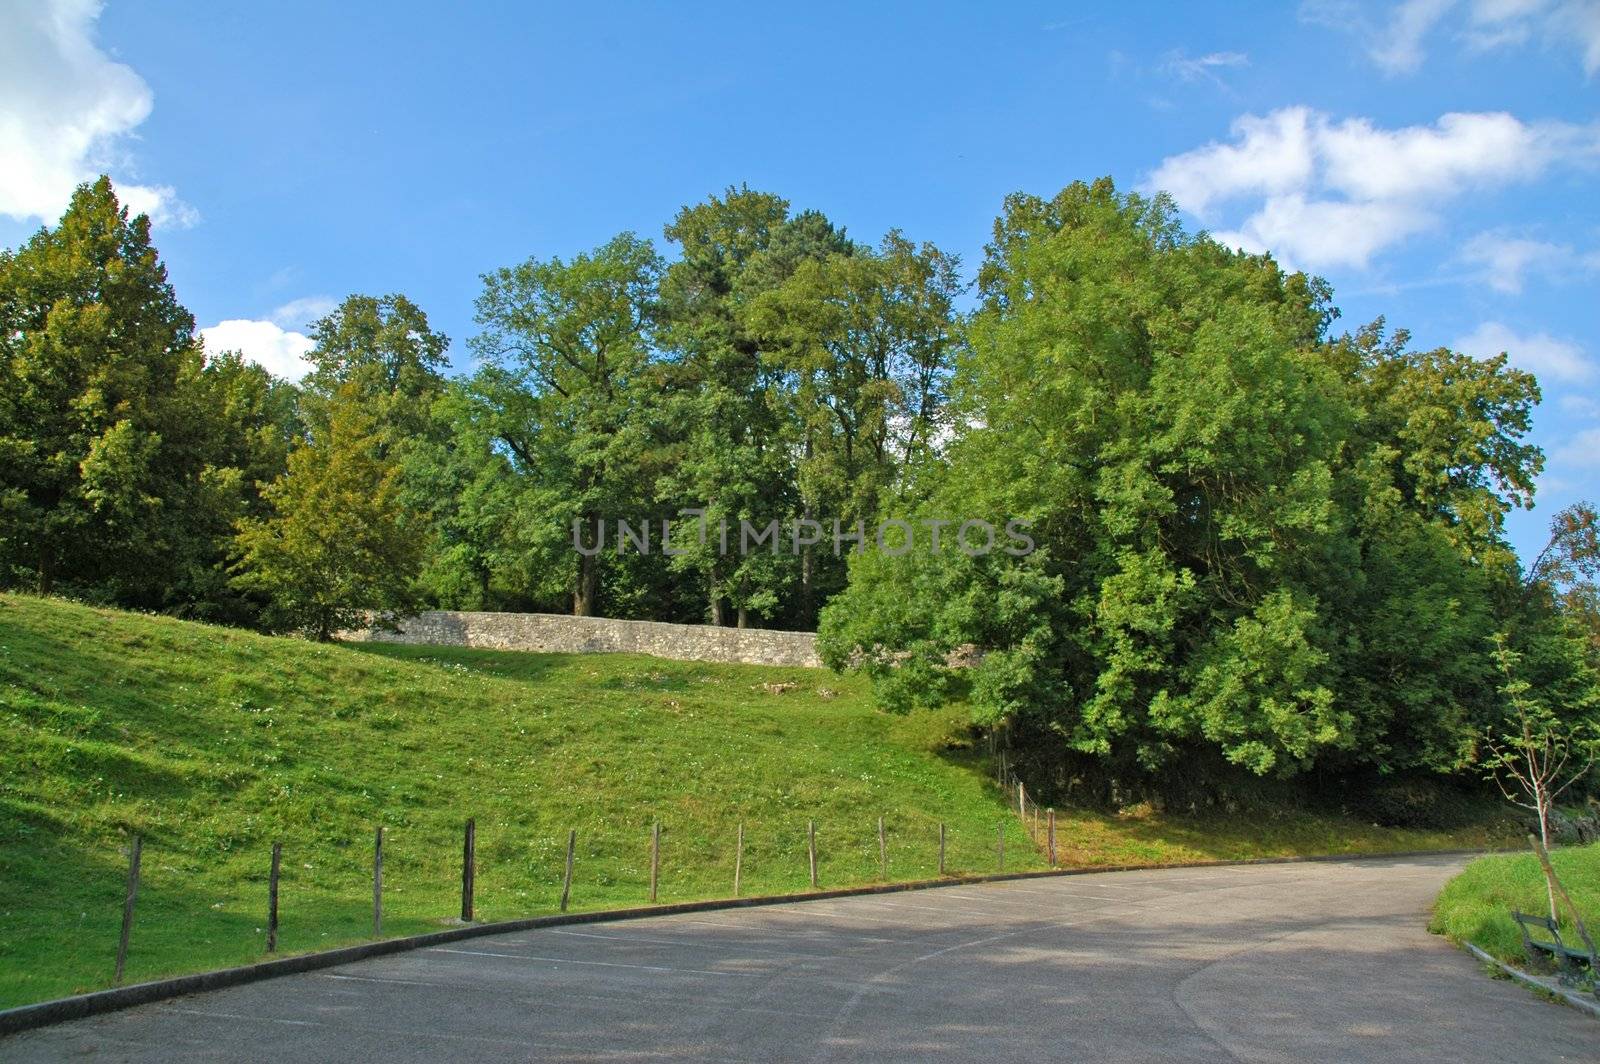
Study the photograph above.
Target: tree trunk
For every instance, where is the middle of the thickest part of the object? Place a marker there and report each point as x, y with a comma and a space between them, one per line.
714, 582
1542, 801
47, 575
808, 576
588, 587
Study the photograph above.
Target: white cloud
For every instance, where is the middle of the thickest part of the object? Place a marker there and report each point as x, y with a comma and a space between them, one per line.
1581, 450
279, 351
1336, 193
1460, 149
1579, 21
1324, 232
65, 110
1581, 405
1505, 260
1539, 353
1271, 154
1204, 67
1397, 44
1397, 47
299, 313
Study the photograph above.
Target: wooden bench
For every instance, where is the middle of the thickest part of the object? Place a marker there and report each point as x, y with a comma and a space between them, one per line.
1570, 962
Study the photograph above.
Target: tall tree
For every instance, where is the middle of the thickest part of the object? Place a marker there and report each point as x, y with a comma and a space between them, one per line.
463, 478
728, 391
244, 422
106, 474
1255, 543
338, 543
866, 342
567, 367
379, 351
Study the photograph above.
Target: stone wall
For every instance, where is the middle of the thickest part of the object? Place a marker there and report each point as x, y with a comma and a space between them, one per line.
554, 633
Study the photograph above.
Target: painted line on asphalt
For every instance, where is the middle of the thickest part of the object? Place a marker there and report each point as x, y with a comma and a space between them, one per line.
772, 933
392, 982
634, 1000
596, 964
1009, 889
683, 944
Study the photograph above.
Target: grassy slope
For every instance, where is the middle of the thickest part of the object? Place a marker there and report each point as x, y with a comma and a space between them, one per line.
1475, 906
212, 743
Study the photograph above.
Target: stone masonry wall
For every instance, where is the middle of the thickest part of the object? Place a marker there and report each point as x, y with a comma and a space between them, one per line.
554, 633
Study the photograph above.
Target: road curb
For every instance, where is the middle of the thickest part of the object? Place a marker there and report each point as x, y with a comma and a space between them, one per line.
1571, 997
81, 1006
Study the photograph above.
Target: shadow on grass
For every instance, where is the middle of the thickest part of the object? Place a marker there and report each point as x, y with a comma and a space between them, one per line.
508, 664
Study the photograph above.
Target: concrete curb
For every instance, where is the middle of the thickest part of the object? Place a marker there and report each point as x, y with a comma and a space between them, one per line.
1571, 997
80, 1006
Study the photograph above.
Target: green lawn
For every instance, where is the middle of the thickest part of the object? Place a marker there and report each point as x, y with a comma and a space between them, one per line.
1475, 906
211, 743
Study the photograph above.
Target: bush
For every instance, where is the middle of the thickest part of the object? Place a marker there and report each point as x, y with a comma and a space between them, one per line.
1412, 802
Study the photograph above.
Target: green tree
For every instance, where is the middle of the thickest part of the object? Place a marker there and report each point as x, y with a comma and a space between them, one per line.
1544, 745
462, 477
1255, 542
339, 545
117, 472
379, 351
730, 396
245, 421
866, 342
568, 375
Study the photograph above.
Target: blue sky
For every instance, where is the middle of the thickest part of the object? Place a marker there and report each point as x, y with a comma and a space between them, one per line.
1436, 160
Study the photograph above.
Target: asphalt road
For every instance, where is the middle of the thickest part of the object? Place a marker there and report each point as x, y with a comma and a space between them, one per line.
1293, 962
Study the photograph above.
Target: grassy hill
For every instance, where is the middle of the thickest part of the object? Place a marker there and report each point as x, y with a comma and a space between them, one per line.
211, 743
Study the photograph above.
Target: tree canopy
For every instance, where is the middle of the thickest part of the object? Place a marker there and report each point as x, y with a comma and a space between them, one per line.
1210, 528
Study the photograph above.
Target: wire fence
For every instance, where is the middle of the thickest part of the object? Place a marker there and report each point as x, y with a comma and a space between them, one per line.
1039, 821
902, 849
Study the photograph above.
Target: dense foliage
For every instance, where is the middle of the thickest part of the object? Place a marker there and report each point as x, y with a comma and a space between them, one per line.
125, 455
1254, 540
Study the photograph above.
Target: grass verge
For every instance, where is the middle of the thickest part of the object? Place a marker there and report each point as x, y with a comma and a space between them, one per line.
1476, 905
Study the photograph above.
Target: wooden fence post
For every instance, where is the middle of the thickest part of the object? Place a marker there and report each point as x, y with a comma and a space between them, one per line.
469, 861
272, 898
566, 882
811, 850
377, 882
883, 853
127, 903
941, 848
1022, 804
738, 859
655, 858
1000, 844
1050, 836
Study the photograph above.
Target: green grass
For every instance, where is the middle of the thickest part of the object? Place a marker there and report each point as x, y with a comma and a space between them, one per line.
211, 743
1475, 906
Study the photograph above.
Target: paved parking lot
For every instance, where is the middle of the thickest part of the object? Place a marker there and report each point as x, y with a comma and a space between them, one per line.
1292, 962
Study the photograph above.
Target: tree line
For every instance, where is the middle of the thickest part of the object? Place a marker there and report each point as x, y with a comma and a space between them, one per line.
1255, 537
